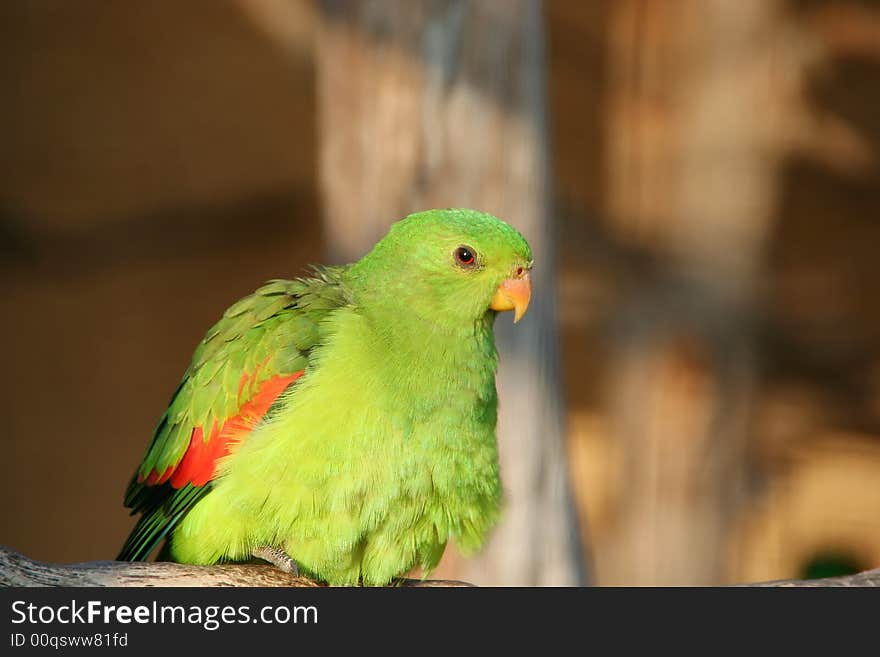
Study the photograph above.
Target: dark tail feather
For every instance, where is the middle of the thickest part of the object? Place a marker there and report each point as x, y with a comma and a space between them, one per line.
162, 507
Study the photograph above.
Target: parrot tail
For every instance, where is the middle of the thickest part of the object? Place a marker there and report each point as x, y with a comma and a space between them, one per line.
162, 507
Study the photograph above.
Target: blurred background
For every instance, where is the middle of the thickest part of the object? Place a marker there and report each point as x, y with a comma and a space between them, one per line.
694, 397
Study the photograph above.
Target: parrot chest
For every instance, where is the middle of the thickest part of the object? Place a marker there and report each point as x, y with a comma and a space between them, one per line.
373, 462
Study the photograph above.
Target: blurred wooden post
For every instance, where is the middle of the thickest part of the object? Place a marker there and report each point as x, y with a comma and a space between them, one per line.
696, 89
441, 103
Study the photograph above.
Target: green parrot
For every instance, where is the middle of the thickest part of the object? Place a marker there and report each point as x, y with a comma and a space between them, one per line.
343, 424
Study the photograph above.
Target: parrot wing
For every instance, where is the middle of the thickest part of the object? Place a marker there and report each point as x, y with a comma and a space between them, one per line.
257, 350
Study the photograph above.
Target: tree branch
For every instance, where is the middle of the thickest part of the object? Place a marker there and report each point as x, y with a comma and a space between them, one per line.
18, 570
866, 578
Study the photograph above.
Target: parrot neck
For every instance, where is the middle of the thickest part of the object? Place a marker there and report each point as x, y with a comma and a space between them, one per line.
423, 356
423, 337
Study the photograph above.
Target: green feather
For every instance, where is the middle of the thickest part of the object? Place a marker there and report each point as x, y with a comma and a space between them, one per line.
385, 450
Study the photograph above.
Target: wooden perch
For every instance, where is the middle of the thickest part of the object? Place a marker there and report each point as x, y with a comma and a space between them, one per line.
866, 578
17, 570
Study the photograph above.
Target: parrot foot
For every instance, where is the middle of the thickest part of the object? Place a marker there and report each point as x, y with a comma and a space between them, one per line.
278, 558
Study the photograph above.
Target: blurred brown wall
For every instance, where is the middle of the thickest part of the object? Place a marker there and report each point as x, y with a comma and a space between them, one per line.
158, 162
720, 241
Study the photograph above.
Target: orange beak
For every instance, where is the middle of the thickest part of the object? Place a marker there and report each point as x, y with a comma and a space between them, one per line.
513, 294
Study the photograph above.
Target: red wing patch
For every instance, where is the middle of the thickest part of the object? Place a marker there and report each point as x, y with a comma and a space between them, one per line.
200, 459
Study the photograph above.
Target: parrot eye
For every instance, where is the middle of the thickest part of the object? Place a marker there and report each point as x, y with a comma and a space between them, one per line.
465, 257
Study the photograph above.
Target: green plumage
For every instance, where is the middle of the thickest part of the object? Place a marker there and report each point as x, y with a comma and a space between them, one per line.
384, 449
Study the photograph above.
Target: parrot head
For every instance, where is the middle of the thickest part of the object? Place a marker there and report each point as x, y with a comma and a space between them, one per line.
450, 266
